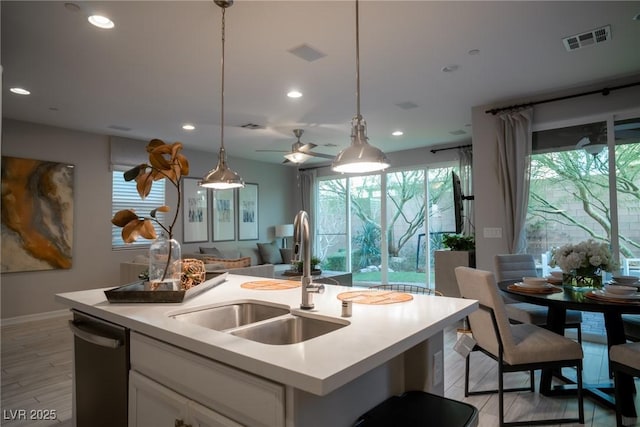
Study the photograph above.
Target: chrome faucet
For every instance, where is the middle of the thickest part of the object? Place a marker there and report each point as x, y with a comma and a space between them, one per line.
301, 238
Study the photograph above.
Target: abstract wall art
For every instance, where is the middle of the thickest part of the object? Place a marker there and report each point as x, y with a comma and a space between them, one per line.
37, 215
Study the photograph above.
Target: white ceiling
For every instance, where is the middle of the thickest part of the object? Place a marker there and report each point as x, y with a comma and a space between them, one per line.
160, 66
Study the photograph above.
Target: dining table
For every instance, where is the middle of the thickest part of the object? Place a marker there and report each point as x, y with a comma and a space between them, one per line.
559, 299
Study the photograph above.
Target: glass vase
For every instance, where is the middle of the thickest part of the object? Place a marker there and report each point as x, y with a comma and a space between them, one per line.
583, 278
165, 264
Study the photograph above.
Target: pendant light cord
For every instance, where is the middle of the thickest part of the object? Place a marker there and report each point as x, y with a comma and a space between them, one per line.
222, 88
358, 115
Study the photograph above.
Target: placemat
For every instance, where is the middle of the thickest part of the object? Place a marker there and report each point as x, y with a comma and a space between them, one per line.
594, 296
545, 290
270, 285
375, 297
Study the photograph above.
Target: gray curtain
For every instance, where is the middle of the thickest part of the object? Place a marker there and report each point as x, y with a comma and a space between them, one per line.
465, 155
514, 172
305, 185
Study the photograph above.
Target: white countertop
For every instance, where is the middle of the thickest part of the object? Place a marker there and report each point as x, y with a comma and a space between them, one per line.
376, 333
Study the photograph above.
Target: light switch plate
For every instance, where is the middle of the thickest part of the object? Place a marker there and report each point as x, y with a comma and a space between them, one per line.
492, 232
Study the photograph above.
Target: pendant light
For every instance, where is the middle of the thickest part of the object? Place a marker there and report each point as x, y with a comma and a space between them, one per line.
360, 156
222, 178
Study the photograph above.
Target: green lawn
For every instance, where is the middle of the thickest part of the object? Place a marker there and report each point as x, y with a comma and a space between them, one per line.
397, 276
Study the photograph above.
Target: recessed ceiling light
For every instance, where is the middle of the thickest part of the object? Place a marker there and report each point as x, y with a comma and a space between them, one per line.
449, 68
19, 91
397, 133
101, 21
188, 126
294, 94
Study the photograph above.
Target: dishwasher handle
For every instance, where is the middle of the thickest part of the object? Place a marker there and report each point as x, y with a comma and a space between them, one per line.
94, 338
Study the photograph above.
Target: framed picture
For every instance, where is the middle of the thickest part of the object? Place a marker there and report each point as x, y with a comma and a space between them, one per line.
224, 216
195, 211
248, 212
37, 215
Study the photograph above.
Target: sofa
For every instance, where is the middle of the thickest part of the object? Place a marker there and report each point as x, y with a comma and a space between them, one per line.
263, 260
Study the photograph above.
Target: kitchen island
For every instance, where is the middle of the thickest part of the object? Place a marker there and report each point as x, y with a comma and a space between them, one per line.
198, 373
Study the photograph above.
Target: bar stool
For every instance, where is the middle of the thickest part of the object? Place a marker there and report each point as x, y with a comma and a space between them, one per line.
419, 409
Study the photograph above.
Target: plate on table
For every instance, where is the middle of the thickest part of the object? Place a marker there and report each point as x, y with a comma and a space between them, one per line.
532, 285
609, 295
614, 282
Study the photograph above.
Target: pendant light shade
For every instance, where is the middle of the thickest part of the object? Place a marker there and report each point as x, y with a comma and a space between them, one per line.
360, 156
222, 177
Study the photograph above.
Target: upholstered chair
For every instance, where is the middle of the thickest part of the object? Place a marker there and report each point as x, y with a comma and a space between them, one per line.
623, 358
517, 266
516, 347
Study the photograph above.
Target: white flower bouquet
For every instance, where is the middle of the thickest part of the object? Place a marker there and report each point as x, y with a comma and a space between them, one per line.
584, 258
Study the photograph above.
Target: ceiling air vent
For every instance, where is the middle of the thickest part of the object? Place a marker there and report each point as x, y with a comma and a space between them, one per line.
589, 38
251, 126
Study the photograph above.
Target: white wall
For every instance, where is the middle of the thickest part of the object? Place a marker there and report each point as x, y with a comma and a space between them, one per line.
489, 210
95, 264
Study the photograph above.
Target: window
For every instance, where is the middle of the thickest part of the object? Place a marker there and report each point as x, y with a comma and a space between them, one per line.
124, 195
374, 225
573, 196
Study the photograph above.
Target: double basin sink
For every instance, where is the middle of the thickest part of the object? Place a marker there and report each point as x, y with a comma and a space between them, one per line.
260, 322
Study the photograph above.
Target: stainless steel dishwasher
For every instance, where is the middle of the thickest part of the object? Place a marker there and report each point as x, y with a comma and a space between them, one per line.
101, 371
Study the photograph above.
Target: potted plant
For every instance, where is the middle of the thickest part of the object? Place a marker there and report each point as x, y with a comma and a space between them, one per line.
459, 242
461, 252
165, 162
315, 261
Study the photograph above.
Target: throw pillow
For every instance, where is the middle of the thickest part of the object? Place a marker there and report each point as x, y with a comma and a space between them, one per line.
270, 253
287, 254
229, 263
211, 251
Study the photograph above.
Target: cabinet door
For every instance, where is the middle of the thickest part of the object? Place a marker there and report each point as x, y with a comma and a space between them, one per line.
201, 416
153, 405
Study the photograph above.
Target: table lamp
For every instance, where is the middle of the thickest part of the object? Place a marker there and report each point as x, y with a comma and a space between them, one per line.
283, 231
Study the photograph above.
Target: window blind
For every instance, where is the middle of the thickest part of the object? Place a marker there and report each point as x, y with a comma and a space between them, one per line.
125, 196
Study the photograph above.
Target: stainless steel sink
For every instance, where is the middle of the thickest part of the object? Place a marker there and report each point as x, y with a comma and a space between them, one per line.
290, 329
232, 315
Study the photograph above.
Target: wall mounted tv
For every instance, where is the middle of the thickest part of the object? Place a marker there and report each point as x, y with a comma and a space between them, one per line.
458, 197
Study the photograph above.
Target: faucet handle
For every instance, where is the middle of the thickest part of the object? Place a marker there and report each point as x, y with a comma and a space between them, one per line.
317, 288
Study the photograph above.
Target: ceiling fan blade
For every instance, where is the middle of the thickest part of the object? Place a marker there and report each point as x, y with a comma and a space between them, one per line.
306, 147
324, 156
271, 151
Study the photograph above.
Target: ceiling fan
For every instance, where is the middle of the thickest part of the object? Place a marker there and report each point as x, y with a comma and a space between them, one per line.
300, 152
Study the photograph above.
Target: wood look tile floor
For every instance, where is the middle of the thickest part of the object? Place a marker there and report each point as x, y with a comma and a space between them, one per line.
37, 375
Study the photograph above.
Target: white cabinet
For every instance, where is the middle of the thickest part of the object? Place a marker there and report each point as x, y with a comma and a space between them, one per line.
216, 388
153, 405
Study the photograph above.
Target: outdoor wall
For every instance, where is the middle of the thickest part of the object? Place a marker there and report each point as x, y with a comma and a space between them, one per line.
95, 264
489, 203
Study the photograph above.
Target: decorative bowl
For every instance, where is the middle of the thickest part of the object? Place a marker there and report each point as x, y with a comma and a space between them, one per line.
620, 289
625, 280
534, 281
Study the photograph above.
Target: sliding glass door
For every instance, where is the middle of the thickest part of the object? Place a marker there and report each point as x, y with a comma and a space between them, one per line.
375, 225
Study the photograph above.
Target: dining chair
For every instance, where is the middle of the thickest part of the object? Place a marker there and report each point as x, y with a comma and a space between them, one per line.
403, 287
631, 325
624, 358
516, 347
517, 266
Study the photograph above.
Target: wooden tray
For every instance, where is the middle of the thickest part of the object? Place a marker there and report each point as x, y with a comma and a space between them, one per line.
375, 297
545, 290
271, 285
135, 292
